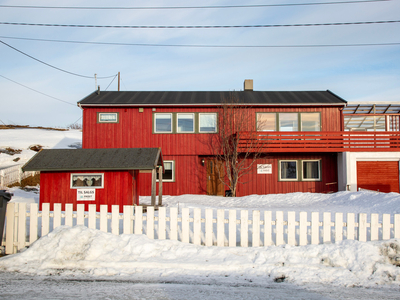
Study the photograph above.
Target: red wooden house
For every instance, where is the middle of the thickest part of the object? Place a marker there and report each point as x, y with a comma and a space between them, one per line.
93, 176
304, 133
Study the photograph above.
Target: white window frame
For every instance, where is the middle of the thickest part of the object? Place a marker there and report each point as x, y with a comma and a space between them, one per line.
216, 123
319, 170
87, 187
99, 115
177, 122
280, 170
155, 122
173, 172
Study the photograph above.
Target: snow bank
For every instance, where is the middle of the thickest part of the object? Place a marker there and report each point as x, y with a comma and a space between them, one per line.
24, 138
79, 250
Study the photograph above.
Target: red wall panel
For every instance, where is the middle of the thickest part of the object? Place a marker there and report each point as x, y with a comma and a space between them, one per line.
378, 175
118, 189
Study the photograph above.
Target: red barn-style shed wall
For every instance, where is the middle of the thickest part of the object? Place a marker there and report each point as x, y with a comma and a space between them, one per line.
119, 189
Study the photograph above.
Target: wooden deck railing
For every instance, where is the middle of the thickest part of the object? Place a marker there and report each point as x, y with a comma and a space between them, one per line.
322, 141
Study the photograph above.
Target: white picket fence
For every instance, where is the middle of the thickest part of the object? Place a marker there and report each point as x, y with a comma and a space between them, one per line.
13, 174
209, 227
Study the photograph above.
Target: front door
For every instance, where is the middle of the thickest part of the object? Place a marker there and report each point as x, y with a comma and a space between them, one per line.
215, 171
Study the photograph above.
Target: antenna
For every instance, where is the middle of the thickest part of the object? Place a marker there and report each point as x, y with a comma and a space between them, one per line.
95, 81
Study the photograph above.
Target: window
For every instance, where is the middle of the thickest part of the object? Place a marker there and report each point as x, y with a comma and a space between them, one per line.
288, 122
107, 118
311, 170
266, 122
163, 123
87, 181
288, 170
169, 171
207, 122
310, 122
185, 122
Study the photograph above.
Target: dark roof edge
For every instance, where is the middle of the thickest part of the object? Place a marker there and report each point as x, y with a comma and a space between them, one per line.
86, 169
340, 98
219, 104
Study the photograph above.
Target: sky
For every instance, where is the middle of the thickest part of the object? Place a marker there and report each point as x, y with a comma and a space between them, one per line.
37, 94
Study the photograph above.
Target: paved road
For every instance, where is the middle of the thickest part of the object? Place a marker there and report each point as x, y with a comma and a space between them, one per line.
17, 286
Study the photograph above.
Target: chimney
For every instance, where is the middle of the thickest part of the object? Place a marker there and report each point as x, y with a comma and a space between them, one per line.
248, 84
98, 90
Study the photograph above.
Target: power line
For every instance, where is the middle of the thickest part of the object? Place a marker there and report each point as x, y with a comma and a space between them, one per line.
201, 26
37, 91
190, 7
84, 76
203, 46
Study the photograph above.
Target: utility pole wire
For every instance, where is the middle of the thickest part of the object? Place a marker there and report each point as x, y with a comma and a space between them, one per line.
191, 7
203, 46
37, 91
51, 66
200, 26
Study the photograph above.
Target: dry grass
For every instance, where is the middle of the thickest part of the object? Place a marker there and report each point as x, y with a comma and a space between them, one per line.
27, 126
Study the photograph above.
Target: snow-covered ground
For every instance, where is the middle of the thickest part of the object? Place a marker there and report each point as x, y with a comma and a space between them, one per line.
87, 254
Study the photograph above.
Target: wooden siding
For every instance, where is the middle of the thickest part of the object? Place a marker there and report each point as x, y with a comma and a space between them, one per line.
135, 129
118, 189
378, 175
191, 177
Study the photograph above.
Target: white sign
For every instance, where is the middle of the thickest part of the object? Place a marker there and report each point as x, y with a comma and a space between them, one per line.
264, 169
86, 194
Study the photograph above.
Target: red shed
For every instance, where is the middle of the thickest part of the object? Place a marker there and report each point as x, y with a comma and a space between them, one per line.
94, 176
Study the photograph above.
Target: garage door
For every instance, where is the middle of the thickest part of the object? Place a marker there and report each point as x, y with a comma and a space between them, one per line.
378, 175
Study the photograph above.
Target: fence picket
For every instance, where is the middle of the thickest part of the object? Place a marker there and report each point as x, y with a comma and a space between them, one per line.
232, 228
386, 227
127, 221
80, 214
185, 225
362, 227
57, 215
103, 218
279, 228
350, 226
220, 228
327, 228
256, 229
69, 214
338, 227
397, 226
10, 216
244, 228
92, 216
21, 225
303, 229
33, 222
197, 226
267, 228
45, 218
291, 228
138, 219
374, 227
173, 223
314, 228
209, 227
161, 223
150, 222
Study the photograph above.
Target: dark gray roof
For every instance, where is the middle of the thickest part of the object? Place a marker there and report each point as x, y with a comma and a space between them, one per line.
211, 98
95, 159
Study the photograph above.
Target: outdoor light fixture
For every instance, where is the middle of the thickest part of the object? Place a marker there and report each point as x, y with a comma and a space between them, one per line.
203, 162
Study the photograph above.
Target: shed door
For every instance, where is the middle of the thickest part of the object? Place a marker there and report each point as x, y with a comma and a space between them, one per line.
214, 171
378, 175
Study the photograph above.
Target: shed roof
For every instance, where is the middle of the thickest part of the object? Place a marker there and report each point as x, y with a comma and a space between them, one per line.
95, 159
186, 98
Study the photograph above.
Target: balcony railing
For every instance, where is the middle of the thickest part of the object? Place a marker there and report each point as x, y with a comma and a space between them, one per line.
322, 141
